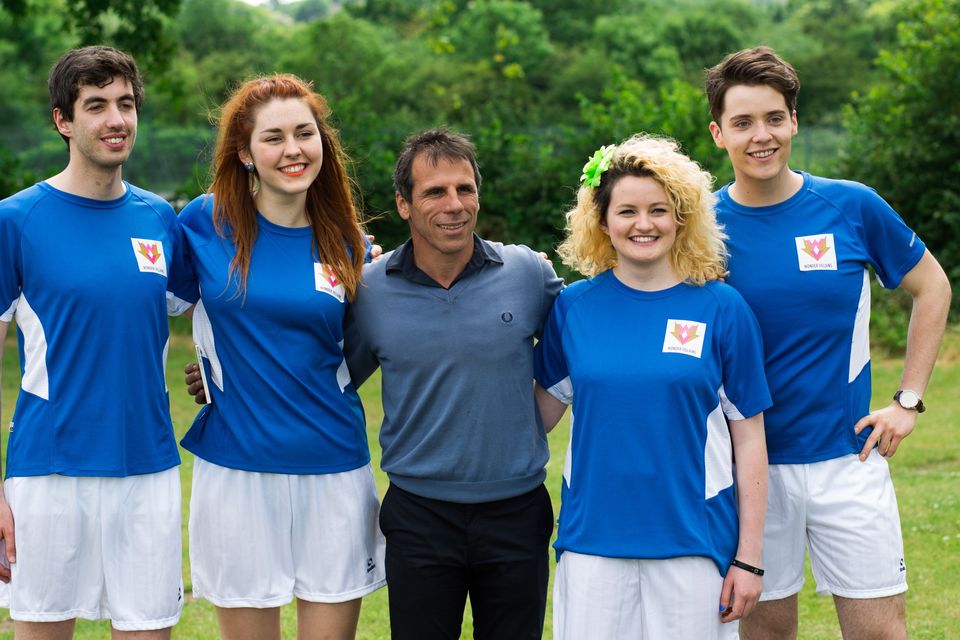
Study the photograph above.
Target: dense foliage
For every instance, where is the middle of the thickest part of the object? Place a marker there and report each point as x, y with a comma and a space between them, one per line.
905, 130
539, 84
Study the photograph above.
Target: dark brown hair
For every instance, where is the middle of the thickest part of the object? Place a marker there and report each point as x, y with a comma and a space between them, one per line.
753, 67
94, 66
337, 237
437, 144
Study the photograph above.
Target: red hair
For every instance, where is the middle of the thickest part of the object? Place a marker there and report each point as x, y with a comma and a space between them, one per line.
337, 236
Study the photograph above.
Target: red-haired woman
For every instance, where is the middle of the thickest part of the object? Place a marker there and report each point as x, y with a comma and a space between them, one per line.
284, 503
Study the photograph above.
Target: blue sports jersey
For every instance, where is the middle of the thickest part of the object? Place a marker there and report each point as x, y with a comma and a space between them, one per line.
801, 265
653, 378
87, 282
282, 397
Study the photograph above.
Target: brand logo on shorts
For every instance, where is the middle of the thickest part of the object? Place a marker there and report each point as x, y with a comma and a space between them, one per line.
326, 281
371, 565
684, 336
816, 253
149, 254
903, 566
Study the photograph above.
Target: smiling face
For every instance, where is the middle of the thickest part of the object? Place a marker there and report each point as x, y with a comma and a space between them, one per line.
286, 148
104, 125
756, 129
442, 212
641, 223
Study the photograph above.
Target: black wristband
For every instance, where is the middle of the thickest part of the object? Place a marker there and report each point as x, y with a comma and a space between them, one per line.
746, 567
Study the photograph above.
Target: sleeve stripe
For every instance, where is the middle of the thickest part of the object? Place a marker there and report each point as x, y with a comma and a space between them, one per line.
562, 391
729, 409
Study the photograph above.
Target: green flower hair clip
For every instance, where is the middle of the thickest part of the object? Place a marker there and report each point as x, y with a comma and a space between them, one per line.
596, 165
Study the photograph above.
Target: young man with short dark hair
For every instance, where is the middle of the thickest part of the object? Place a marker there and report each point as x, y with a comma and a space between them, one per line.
800, 247
89, 267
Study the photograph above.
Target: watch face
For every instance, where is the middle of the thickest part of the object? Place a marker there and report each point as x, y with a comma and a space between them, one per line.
909, 399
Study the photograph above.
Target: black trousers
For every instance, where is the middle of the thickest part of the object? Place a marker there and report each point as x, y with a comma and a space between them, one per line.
438, 552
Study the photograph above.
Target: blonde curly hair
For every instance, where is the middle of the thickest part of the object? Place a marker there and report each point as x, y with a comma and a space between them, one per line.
698, 254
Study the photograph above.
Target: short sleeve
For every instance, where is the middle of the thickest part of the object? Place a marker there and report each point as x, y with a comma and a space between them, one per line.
745, 388
893, 247
549, 361
182, 289
552, 285
11, 276
361, 361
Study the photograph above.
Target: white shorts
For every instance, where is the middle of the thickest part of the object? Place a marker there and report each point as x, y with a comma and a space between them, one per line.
97, 548
845, 512
261, 539
612, 598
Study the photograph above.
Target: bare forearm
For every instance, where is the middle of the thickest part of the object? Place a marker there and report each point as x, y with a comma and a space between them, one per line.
750, 451
930, 289
927, 324
551, 409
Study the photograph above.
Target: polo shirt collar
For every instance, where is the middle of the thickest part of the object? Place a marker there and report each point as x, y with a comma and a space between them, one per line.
401, 261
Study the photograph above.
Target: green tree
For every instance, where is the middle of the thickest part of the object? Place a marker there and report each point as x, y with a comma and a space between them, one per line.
704, 34
137, 26
641, 52
905, 132
844, 38
508, 34
570, 22
208, 27
676, 109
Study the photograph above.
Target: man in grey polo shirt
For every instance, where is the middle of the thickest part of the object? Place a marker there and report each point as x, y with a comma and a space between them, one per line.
450, 319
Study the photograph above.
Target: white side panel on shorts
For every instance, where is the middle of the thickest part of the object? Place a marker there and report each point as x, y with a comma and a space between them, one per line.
860, 344
717, 452
35, 376
343, 373
203, 336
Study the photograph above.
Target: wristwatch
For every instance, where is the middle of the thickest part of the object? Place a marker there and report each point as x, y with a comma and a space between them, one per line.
909, 399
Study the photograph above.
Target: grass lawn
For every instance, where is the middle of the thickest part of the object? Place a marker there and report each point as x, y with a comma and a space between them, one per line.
926, 471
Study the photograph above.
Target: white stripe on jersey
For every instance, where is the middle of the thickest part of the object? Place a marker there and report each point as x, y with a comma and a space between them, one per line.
35, 377
860, 343
717, 452
203, 336
343, 373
